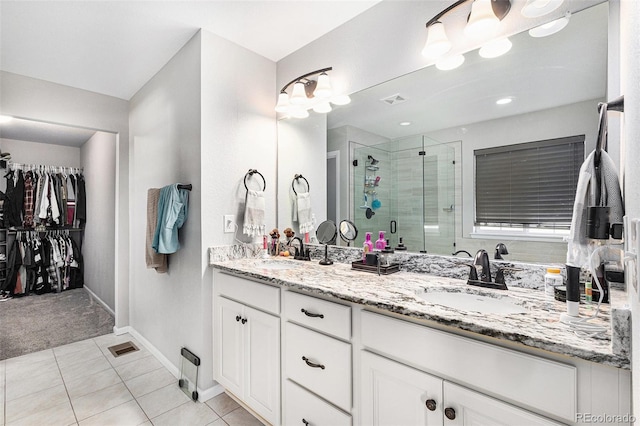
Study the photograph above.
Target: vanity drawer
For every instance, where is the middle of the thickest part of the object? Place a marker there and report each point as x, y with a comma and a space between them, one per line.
262, 296
319, 363
327, 317
301, 405
532, 382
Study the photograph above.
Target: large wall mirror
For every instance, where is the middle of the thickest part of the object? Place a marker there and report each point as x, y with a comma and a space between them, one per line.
406, 147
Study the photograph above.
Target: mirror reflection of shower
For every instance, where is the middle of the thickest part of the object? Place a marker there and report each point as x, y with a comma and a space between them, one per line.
410, 183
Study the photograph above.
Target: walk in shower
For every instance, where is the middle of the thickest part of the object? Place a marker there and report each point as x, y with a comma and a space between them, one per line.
405, 187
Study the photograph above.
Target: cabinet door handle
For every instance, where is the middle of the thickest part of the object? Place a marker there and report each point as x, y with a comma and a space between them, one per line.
431, 404
305, 422
238, 317
244, 320
311, 314
312, 364
450, 413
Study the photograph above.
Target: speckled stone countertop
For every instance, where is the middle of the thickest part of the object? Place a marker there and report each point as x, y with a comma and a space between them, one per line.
400, 293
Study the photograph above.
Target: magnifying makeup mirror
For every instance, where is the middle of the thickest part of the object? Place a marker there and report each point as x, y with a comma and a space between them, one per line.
326, 233
348, 231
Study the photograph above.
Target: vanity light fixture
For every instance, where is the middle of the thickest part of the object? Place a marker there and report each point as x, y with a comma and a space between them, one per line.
483, 22
450, 62
536, 8
5, 118
308, 93
550, 28
495, 48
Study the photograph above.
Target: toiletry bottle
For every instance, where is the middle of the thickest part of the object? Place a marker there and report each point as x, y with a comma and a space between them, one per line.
381, 243
367, 246
552, 279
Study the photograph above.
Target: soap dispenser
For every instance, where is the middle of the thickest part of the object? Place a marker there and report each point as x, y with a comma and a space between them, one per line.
367, 246
381, 243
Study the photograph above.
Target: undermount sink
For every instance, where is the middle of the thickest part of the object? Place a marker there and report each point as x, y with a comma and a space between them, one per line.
276, 265
474, 302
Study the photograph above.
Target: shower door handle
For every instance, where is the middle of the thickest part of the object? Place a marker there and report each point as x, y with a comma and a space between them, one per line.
393, 226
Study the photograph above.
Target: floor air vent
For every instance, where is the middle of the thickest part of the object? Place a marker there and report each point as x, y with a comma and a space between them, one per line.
122, 348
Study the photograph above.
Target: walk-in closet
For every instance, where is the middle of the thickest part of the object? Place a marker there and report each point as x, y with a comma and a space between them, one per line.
57, 235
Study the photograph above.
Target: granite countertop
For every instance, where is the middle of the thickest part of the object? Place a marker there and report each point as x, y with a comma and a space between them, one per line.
400, 293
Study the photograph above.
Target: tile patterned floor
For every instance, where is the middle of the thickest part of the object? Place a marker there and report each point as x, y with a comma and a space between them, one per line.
84, 384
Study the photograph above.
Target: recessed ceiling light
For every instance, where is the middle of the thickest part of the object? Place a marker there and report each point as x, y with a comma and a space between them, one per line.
405, 123
504, 101
5, 118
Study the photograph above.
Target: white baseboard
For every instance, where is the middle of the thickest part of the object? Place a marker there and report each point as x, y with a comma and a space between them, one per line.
203, 394
100, 301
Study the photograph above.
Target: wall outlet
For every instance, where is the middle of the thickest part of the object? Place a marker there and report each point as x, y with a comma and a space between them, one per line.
229, 225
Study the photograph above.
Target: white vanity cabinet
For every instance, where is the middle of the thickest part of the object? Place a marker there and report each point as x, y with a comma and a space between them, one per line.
316, 361
247, 343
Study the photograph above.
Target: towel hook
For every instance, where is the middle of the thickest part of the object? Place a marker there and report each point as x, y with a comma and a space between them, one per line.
295, 179
603, 107
250, 173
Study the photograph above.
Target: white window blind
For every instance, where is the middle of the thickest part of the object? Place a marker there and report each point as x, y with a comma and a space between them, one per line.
528, 184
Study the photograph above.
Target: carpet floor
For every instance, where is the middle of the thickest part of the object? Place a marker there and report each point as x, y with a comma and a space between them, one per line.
34, 323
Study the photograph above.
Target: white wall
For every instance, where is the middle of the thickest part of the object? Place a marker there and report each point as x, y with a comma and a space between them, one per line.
98, 158
39, 100
24, 152
630, 72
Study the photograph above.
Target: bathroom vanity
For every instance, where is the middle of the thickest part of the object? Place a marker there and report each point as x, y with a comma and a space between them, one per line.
300, 343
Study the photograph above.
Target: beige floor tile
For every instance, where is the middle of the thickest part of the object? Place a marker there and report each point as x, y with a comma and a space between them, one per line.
112, 339
148, 382
60, 414
30, 358
100, 401
74, 347
127, 414
37, 401
17, 388
24, 370
88, 384
83, 355
162, 400
241, 417
189, 413
138, 367
3, 364
218, 422
85, 368
222, 404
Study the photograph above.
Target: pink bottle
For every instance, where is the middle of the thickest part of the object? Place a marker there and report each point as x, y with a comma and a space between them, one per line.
381, 243
367, 246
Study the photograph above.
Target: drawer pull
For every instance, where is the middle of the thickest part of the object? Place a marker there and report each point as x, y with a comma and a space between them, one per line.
238, 317
311, 314
305, 422
312, 364
450, 413
244, 320
431, 404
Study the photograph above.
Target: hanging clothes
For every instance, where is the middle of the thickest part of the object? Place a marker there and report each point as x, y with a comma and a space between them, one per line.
11, 213
29, 199
81, 202
172, 213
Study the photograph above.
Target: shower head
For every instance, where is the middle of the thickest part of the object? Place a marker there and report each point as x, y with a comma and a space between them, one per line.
373, 160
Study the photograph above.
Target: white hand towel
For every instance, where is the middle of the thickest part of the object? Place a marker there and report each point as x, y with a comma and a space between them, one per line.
254, 214
303, 208
579, 247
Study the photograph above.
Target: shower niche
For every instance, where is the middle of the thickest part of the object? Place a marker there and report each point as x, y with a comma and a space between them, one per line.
407, 188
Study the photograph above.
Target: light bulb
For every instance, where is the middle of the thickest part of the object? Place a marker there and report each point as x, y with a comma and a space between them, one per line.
450, 62
482, 21
550, 27
536, 8
495, 48
298, 95
298, 112
283, 102
323, 87
341, 100
437, 42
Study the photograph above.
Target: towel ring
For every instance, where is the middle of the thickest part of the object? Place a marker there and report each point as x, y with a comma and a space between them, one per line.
250, 173
295, 179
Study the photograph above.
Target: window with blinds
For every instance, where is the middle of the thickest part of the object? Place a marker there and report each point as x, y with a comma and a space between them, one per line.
531, 184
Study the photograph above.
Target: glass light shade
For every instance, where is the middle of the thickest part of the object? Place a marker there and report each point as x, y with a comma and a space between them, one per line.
323, 87
5, 118
450, 62
535, 8
482, 22
551, 27
495, 48
298, 95
322, 107
283, 103
298, 112
437, 42
341, 100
